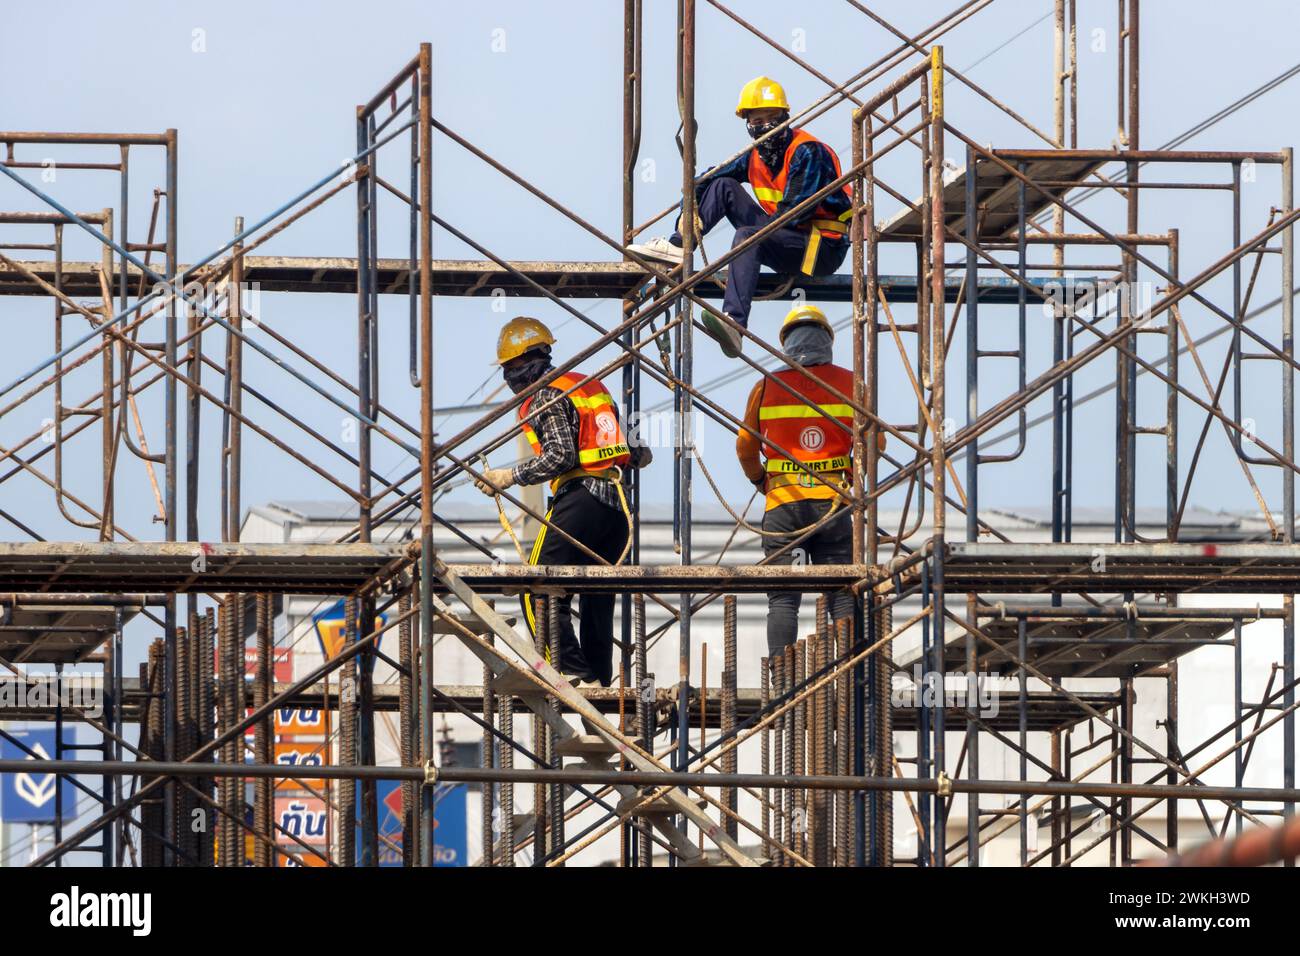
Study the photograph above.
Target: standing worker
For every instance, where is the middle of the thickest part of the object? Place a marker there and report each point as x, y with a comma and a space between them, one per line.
796, 501
580, 449
785, 169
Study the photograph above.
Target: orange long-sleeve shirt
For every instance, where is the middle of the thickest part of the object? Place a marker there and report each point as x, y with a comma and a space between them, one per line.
748, 447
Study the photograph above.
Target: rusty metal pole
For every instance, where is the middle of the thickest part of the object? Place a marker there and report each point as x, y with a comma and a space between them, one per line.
728, 718
883, 757
263, 688
506, 760
1074, 75
408, 742
631, 371
842, 632
170, 426
864, 674
231, 791
541, 735
207, 703
556, 793
686, 108
1288, 480
426, 451
488, 790
645, 713
798, 751
1058, 825
780, 764
184, 744
765, 666
367, 405
857, 227
109, 433
1172, 750
937, 409
347, 733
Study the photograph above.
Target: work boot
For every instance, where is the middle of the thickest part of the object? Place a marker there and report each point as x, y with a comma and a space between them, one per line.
726, 334
659, 248
573, 666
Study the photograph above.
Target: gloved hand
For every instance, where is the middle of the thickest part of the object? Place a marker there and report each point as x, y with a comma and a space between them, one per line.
760, 483
503, 478
697, 235
641, 456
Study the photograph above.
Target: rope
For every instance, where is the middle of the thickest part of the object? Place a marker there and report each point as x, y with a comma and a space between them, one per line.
501, 516
740, 519
719, 278
627, 513
519, 548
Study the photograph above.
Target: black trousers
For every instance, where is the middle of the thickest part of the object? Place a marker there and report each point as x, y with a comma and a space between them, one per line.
782, 251
832, 543
603, 530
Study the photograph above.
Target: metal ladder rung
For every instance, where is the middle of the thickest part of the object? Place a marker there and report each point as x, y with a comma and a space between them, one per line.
513, 684
585, 745
657, 807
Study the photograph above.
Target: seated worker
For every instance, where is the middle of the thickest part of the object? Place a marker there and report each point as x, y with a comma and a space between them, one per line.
796, 500
580, 449
783, 170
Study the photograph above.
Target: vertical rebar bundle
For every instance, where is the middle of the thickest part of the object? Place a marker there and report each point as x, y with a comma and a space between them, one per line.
347, 742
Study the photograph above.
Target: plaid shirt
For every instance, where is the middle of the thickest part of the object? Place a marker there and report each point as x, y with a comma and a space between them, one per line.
557, 430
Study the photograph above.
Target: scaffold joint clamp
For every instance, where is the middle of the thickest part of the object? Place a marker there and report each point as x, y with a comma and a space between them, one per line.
945, 784
430, 773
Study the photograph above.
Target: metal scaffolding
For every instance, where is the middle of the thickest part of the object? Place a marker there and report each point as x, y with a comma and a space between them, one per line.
662, 768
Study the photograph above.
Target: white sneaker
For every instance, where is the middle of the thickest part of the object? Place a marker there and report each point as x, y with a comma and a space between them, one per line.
658, 248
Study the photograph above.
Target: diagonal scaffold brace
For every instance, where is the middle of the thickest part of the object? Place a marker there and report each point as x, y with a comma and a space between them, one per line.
531, 664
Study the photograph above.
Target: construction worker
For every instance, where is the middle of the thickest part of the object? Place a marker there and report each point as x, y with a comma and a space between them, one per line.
783, 169
795, 500
580, 449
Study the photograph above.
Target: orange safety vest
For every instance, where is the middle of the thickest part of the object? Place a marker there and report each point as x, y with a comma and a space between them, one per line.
601, 444
805, 433
770, 189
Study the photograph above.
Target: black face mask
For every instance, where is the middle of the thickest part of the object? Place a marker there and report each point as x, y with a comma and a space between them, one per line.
523, 374
771, 150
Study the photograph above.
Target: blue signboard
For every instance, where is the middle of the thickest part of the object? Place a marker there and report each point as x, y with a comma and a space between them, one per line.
29, 797
331, 633
450, 824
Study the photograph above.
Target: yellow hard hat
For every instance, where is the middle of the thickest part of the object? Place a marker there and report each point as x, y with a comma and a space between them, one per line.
805, 315
519, 335
762, 93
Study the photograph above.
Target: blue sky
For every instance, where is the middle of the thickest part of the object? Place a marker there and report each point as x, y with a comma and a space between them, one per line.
266, 107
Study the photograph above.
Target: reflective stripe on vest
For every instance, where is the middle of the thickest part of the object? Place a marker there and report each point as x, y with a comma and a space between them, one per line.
769, 188
782, 489
600, 441
835, 410
786, 466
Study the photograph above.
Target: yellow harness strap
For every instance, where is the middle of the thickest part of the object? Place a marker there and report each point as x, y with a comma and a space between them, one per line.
810, 251
608, 474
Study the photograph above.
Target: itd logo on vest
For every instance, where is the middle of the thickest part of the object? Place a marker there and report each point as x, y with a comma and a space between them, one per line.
606, 428
812, 438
